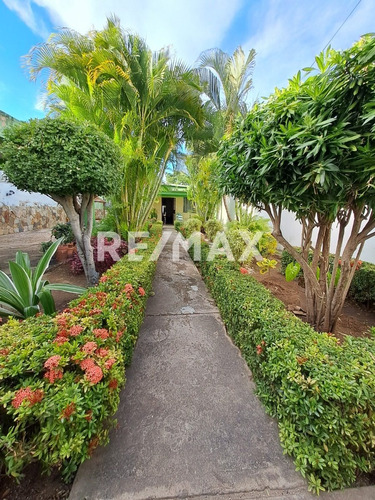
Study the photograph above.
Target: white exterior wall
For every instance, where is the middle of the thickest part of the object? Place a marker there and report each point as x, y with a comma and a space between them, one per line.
291, 229
12, 196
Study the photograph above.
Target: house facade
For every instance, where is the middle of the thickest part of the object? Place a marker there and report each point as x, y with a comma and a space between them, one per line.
172, 204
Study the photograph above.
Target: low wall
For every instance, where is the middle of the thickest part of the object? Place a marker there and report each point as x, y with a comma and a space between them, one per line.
26, 217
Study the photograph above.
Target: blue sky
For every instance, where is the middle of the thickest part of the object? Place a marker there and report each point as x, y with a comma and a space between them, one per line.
286, 34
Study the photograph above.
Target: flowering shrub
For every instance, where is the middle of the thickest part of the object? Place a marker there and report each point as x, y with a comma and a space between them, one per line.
321, 390
101, 266
61, 376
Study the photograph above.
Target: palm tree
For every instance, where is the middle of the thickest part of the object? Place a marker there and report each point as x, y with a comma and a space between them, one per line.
144, 100
226, 82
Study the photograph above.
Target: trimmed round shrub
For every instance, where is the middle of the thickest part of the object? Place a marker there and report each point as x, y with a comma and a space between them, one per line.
191, 226
211, 227
362, 288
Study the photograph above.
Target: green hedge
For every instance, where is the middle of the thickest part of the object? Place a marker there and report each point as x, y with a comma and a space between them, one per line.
322, 392
362, 288
61, 376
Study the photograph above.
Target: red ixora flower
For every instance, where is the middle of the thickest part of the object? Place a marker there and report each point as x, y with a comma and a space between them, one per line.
88, 415
62, 320
128, 289
109, 363
95, 311
141, 291
103, 279
260, 347
243, 270
68, 411
75, 330
89, 347
86, 364
94, 374
59, 340
27, 394
101, 333
113, 384
102, 352
63, 333
119, 335
52, 362
92, 445
4, 352
53, 375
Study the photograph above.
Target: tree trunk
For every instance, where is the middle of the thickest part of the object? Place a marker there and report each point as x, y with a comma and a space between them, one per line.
325, 298
226, 208
82, 230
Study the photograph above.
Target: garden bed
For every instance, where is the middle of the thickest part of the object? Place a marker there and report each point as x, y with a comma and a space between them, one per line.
355, 320
61, 273
61, 379
35, 486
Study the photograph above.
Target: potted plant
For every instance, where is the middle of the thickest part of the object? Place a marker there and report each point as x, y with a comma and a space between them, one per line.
67, 246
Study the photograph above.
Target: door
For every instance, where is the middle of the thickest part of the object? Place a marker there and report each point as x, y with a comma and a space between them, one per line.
167, 210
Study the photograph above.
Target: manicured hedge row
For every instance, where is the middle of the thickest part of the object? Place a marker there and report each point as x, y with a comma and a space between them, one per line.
61, 376
321, 391
362, 288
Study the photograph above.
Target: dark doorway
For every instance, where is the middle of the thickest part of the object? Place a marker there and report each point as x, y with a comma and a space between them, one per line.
167, 210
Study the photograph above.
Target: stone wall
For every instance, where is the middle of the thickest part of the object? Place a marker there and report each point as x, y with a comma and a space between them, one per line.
26, 217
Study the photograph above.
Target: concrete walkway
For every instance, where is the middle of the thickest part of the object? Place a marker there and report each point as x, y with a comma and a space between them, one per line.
190, 425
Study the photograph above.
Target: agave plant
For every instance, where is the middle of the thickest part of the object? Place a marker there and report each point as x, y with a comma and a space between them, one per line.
22, 294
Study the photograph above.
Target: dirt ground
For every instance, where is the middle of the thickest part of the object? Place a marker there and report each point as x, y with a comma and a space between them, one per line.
61, 274
354, 320
34, 486
26, 242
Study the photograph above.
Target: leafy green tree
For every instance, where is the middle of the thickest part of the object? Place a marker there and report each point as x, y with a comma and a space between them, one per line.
70, 162
144, 100
310, 149
177, 177
203, 189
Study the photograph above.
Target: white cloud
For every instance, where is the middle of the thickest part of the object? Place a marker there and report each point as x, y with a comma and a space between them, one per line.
40, 101
24, 10
286, 34
290, 34
189, 25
